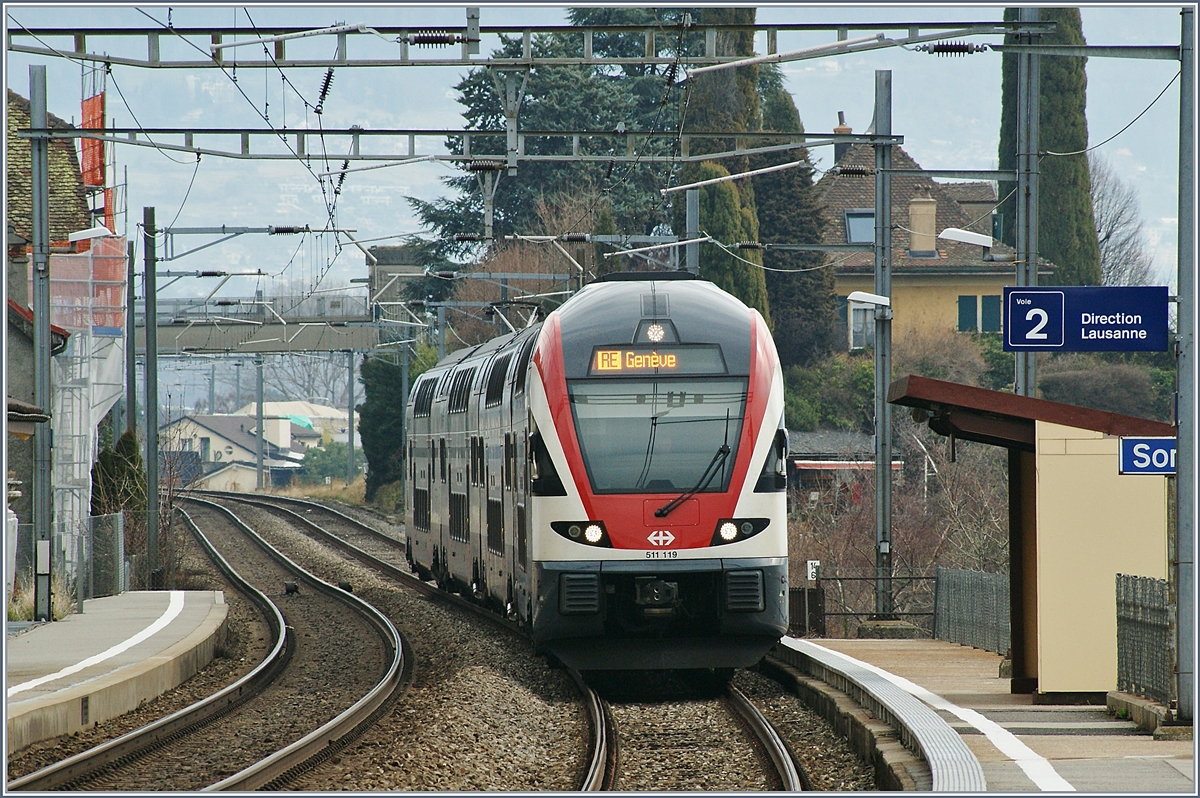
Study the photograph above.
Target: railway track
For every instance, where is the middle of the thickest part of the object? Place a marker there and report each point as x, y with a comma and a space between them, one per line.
258, 732
386, 554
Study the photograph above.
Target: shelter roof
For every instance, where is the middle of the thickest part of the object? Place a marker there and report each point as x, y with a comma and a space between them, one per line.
1005, 419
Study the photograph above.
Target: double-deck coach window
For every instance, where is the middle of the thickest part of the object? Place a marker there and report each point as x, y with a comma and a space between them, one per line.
495, 383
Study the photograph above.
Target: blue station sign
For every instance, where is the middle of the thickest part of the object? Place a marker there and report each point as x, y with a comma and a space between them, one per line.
1147, 456
1085, 319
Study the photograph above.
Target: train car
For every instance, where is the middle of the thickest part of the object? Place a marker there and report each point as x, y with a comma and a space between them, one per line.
613, 477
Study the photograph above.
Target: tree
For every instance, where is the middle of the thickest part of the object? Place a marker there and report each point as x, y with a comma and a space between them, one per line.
381, 423
799, 284
565, 98
331, 461
1066, 232
1123, 256
725, 100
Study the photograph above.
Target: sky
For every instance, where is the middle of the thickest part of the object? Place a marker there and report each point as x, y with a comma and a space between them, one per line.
946, 108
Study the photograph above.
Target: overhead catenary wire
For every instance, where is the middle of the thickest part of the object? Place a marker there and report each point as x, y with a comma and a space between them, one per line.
1122, 130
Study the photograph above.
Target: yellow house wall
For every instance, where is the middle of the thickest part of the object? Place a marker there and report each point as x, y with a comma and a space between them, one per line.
927, 302
238, 479
1092, 523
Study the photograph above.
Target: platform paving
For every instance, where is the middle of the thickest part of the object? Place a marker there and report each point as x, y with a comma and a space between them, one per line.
119, 652
1092, 750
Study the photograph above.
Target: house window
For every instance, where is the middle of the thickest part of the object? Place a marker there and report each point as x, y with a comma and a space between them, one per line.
862, 326
968, 313
859, 321
860, 226
991, 313
971, 320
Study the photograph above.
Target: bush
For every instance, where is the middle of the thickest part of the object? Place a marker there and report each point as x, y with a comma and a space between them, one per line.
332, 461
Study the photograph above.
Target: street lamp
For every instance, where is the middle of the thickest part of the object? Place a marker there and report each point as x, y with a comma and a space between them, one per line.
883, 466
979, 239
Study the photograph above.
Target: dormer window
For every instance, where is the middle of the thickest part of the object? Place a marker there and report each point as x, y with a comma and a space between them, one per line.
860, 226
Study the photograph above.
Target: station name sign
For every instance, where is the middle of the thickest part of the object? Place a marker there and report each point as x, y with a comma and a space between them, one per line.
1147, 456
1085, 319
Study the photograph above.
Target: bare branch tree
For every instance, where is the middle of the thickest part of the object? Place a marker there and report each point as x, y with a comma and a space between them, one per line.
1123, 256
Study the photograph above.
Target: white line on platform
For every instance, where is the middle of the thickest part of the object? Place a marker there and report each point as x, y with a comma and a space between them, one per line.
173, 610
1036, 767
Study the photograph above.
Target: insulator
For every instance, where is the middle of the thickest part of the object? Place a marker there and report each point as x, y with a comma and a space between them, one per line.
485, 166
672, 71
577, 238
467, 237
748, 245
342, 177
432, 39
957, 48
855, 171
286, 229
324, 90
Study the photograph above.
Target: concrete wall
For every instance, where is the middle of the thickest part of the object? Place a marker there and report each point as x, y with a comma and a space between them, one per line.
1091, 524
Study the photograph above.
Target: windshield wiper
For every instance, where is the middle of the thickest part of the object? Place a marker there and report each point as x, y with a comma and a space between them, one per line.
705, 478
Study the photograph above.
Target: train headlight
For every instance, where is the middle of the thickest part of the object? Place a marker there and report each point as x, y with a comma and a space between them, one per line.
588, 533
731, 530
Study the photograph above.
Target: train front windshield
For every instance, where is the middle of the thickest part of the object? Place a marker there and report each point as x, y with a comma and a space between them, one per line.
658, 435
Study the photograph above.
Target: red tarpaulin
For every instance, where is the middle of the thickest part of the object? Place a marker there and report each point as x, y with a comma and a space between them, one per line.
92, 149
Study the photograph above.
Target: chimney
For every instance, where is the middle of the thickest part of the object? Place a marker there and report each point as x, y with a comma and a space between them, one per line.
841, 149
278, 430
922, 221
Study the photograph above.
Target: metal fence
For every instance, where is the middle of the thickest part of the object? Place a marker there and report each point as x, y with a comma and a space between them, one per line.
87, 558
849, 600
972, 608
1143, 638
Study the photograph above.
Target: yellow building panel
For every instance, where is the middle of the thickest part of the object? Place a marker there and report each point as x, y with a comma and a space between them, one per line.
1103, 446
1092, 523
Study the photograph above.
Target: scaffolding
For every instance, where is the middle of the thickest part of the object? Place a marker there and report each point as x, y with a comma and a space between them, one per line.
87, 295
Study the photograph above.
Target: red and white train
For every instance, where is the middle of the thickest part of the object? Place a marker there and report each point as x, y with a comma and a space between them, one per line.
613, 477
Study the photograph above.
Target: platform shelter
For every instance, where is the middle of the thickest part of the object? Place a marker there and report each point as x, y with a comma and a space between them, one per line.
1074, 523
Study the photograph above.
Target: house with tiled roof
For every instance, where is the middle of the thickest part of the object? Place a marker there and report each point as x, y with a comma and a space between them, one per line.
68, 202
218, 441
936, 284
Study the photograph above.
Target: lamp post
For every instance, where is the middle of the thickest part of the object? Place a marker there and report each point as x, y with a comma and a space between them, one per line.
883, 454
881, 299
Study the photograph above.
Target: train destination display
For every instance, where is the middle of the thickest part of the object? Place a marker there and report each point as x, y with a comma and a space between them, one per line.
1085, 319
627, 361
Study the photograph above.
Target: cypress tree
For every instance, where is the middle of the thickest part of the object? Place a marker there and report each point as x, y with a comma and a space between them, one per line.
381, 423
1066, 230
801, 291
725, 100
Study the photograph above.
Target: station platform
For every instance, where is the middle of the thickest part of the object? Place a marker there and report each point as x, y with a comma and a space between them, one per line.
118, 653
1021, 746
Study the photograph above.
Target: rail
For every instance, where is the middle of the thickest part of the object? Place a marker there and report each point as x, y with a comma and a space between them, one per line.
148, 737
781, 757
330, 737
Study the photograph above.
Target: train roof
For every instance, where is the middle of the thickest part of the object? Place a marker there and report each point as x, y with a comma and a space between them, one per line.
619, 310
